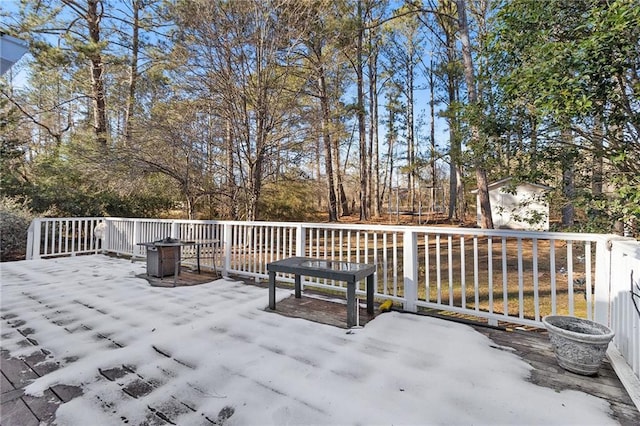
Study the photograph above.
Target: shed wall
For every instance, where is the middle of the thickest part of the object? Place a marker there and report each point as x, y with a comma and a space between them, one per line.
515, 211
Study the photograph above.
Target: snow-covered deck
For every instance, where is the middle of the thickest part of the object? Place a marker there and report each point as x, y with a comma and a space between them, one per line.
211, 354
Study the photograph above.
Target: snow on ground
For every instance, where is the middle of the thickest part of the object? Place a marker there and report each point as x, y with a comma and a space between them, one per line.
212, 352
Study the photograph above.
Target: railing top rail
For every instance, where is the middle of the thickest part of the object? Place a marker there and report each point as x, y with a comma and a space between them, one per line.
544, 235
571, 236
629, 246
57, 219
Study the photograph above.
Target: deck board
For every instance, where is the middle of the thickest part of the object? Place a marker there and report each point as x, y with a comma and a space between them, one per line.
187, 277
331, 311
16, 412
21, 410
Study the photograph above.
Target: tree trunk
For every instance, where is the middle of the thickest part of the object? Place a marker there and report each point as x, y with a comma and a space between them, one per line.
374, 164
568, 182
376, 155
388, 170
255, 189
133, 71
598, 163
432, 136
453, 186
449, 26
326, 136
411, 149
364, 201
97, 73
469, 75
533, 155
190, 206
319, 140
230, 183
462, 205
342, 196
568, 190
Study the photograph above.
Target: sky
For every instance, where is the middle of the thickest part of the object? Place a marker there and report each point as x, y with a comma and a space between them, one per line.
214, 348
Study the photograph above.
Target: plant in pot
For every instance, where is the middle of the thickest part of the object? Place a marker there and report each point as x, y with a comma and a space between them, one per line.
579, 344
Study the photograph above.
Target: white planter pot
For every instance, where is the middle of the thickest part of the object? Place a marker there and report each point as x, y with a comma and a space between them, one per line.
579, 344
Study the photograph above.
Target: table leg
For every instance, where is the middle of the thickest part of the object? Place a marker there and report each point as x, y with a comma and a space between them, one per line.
176, 271
351, 303
370, 292
272, 290
198, 256
298, 287
214, 249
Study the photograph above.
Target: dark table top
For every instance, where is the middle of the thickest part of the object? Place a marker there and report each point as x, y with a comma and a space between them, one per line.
176, 243
323, 268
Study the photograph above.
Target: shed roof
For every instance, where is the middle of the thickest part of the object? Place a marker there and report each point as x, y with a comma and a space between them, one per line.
502, 182
11, 51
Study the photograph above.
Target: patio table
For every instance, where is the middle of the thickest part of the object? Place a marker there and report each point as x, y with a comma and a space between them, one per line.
349, 272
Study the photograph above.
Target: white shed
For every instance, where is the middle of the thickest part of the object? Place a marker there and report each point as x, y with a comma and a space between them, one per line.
517, 205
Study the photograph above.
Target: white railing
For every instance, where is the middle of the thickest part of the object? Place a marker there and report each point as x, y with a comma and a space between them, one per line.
624, 299
123, 236
51, 237
500, 275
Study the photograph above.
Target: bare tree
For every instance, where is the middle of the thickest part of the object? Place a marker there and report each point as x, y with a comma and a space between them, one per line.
404, 48
242, 54
365, 213
320, 37
136, 7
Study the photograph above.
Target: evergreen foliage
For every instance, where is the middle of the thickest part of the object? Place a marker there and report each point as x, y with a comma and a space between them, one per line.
15, 218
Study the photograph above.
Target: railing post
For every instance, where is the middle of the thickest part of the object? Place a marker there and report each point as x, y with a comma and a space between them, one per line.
226, 249
136, 237
33, 240
37, 236
175, 230
410, 268
105, 244
602, 291
300, 244
29, 252
300, 240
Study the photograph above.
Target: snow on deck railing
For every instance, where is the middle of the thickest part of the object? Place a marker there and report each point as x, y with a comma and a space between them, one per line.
500, 275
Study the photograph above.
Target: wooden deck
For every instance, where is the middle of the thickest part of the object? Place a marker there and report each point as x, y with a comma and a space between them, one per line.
18, 409
533, 346
23, 410
187, 277
318, 308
